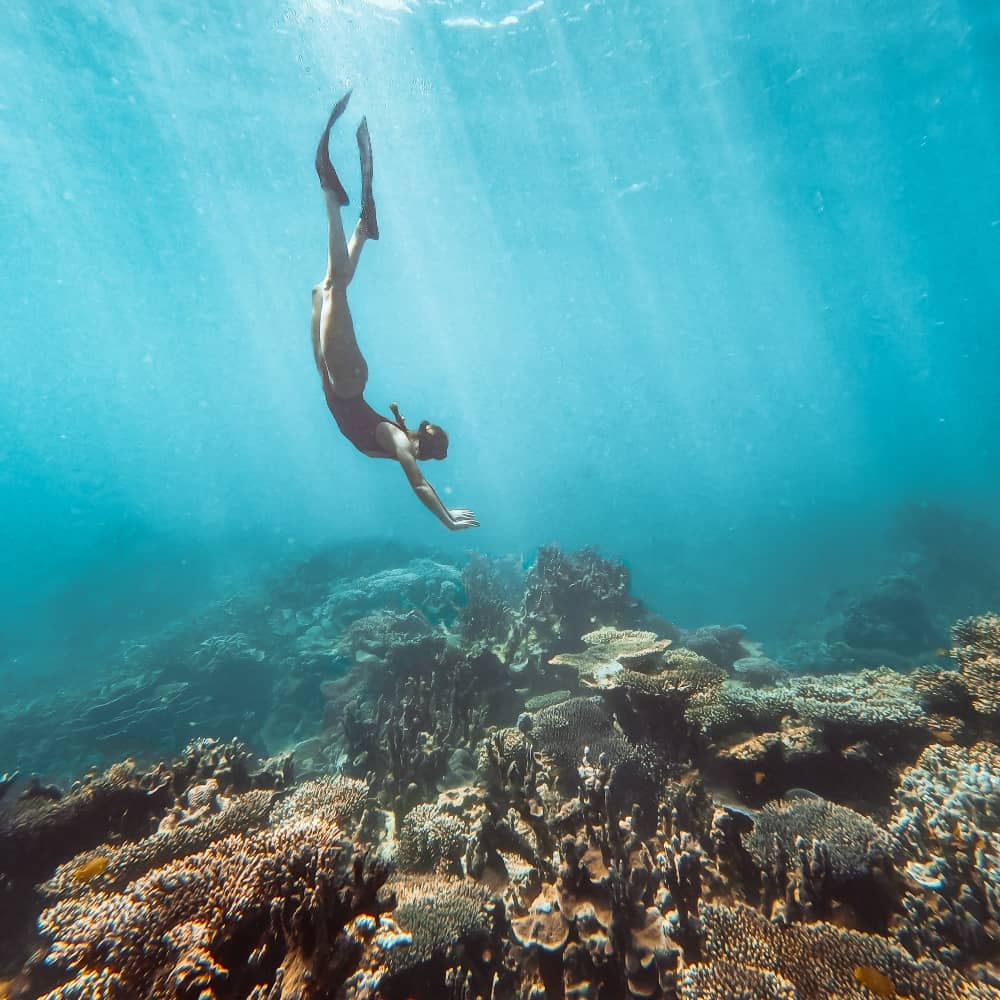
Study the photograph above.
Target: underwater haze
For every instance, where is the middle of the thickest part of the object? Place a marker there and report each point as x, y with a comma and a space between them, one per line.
708, 284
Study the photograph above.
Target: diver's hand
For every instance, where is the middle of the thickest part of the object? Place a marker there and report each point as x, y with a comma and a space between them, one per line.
462, 519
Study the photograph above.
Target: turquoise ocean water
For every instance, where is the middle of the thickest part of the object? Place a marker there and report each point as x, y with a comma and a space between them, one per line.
710, 285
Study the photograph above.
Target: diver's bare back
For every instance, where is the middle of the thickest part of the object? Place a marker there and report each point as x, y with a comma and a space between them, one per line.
339, 360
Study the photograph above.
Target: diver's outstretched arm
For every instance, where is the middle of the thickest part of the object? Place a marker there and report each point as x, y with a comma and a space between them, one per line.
397, 443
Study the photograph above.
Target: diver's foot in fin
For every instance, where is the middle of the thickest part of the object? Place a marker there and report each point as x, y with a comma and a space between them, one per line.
328, 179
368, 216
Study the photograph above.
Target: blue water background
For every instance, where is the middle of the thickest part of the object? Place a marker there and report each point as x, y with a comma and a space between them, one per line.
711, 284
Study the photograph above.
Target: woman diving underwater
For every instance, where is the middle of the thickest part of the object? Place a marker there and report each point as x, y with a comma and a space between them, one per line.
340, 362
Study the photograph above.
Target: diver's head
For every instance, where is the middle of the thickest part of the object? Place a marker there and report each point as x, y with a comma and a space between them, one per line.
432, 442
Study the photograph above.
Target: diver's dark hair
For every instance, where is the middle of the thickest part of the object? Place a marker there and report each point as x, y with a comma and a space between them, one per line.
433, 440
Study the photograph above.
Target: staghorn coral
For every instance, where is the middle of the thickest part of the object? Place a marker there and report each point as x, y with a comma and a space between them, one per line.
819, 959
284, 892
976, 648
947, 827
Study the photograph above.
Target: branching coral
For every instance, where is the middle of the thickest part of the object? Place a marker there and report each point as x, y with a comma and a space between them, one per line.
431, 839
723, 980
851, 704
947, 825
38, 833
442, 931
405, 740
494, 593
976, 648
439, 914
377, 634
336, 799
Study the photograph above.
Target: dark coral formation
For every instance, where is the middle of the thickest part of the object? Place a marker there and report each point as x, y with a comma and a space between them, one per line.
893, 618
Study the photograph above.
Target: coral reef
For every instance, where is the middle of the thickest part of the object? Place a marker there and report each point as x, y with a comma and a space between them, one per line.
517, 782
721, 644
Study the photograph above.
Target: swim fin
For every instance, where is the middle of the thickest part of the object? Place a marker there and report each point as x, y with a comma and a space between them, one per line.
328, 179
368, 216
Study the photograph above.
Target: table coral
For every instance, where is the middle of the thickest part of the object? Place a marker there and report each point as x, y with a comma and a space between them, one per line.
610, 650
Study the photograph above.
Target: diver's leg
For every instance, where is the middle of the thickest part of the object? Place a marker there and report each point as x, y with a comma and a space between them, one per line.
337, 343
334, 342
